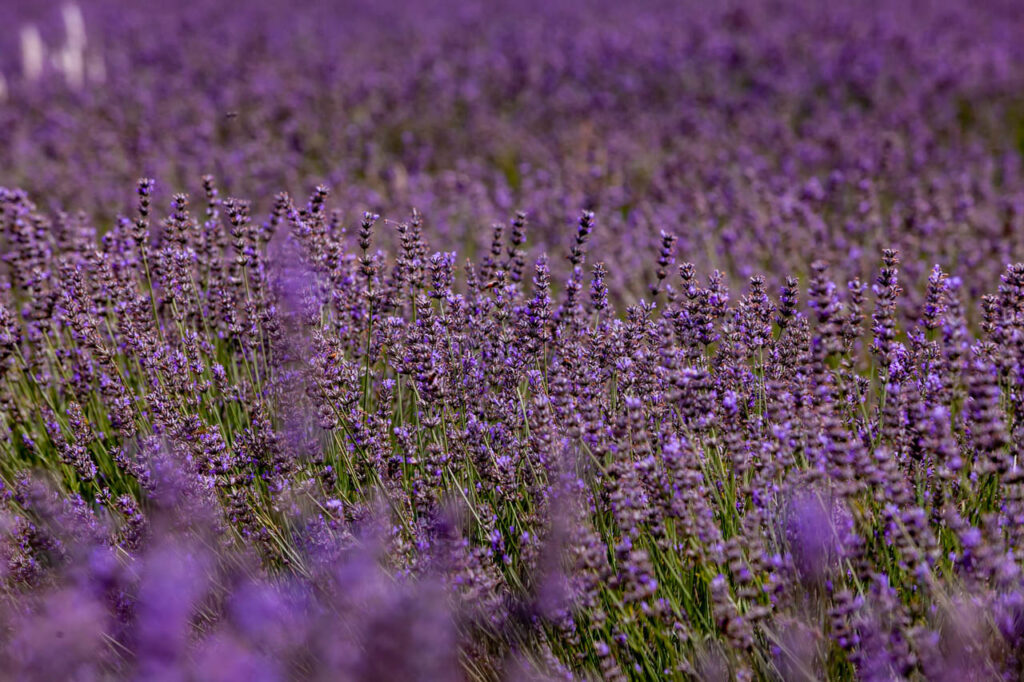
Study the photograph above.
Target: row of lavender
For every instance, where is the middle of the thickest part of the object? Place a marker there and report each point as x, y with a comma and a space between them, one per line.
730, 421
271, 450
750, 130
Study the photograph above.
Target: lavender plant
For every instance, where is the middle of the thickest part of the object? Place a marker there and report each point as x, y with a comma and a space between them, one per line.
752, 412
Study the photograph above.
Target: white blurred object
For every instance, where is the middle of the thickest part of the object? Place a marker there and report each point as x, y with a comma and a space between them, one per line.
69, 62
33, 52
74, 26
72, 59
3, 88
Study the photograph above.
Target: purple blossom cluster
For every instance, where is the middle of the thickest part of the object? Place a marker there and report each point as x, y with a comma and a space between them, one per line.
732, 387
749, 130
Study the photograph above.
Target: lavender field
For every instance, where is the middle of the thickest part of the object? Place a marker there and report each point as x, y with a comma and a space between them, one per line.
539, 340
